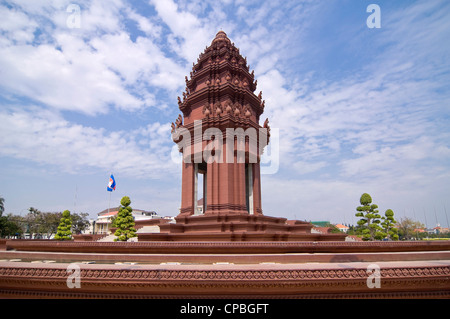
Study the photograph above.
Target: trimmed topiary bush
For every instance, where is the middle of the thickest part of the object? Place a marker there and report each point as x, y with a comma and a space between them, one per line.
124, 221
64, 231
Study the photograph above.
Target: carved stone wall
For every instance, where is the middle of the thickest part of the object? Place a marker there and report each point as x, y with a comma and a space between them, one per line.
398, 280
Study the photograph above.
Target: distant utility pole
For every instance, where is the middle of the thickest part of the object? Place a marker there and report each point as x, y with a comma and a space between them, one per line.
446, 217
424, 214
75, 199
435, 216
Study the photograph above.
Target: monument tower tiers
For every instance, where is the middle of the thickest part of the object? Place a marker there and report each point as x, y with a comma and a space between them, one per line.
220, 97
221, 140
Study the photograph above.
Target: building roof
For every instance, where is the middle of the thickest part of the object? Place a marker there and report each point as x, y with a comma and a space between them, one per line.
322, 223
115, 210
105, 211
111, 213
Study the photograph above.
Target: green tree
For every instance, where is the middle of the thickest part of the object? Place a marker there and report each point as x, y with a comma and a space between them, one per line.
388, 225
64, 231
9, 226
407, 227
16, 227
49, 223
370, 219
80, 222
3, 220
32, 222
125, 221
40, 224
113, 221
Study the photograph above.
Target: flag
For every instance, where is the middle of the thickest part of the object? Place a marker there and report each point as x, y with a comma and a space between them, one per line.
111, 184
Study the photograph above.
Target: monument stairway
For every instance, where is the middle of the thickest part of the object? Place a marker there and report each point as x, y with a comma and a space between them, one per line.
148, 229
107, 238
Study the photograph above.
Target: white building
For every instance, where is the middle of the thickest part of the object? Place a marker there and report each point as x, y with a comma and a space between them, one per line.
342, 228
103, 223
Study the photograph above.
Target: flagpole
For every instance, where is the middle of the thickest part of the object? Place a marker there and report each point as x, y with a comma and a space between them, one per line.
109, 204
110, 188
110, 191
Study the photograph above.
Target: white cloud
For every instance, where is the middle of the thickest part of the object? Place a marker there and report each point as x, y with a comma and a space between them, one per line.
153, 67
71, 79
89, 69
302, 167
48, 139
146, 25
16, 25
189, 33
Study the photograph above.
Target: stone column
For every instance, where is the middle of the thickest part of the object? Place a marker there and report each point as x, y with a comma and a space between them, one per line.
249, 191
257, 207
187, 189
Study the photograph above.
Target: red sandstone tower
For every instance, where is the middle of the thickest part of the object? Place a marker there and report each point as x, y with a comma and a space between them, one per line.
219, 96
220, 138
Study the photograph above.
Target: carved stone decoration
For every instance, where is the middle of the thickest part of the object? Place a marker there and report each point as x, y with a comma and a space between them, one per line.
173, 128
206, 110
228, 77
266, 126
218, 108
237, 109
179, 121
247, 111
229, 108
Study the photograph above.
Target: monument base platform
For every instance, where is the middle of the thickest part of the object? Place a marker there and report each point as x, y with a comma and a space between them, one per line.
237, 227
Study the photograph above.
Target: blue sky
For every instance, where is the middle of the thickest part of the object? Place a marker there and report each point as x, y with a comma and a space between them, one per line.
358, 109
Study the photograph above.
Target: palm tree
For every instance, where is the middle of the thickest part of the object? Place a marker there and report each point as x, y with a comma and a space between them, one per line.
2, 205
